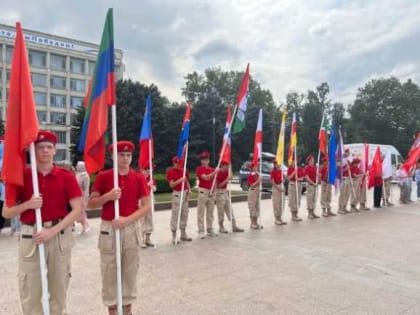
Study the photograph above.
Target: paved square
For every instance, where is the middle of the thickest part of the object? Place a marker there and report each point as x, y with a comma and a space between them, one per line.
365, 263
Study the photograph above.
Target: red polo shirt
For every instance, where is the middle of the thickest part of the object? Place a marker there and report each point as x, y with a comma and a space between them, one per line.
355, 170
345, 171
324, 173
252, 178
133, 187
301, 173
221, 177
175, 174
203, 170
310, 170
290, 170
276, 175
57, 188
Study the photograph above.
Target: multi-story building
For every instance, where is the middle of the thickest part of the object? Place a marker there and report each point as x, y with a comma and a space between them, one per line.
60, 69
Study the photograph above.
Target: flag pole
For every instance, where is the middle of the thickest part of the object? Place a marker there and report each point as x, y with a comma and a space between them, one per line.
296, 180
317, 176
152, 194
223, 148
230, 196
181, 200
116, 209
41, 247
260, 188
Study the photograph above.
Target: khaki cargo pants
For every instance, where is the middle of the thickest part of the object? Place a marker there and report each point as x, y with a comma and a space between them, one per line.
253, 202
326, 190
277, 197
343, 199
146, 223
362, 195
293, 198
223, 205
130, 250
176, 198
58, 256
310, 196
355, 198
205, 206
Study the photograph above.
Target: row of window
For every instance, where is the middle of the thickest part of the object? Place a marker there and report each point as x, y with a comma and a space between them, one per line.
56, 118
57, 100
57, 62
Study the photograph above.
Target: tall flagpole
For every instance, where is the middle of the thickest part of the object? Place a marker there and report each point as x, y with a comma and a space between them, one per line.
116, 209
41, 247
230, 195
213, 184
152, 194
181, 200
317, 176
260, 188
296, 180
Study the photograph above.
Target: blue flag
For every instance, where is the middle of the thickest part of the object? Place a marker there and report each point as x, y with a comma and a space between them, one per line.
185, 132
332, 146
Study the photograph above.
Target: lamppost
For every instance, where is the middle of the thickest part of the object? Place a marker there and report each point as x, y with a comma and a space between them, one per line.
214, 96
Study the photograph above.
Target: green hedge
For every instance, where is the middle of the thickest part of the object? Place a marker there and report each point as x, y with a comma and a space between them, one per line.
162, 186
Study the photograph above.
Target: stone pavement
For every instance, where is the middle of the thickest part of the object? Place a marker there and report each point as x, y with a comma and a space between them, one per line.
365, 263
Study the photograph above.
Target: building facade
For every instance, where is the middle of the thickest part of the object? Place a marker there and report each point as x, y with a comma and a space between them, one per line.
60, 70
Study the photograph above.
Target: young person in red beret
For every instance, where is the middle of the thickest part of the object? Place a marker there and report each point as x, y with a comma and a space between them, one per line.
205, 204
276, 177
175, 177
134, 202
310, 176
57, 188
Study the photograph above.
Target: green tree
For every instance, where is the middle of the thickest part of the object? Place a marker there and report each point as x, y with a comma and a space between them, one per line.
386, 111
210, 93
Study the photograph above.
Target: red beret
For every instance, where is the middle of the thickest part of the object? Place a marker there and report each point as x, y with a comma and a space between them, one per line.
325, 159
346, 150
123, 146
308, 158
175, 159
274, 161
46, 136
204, 155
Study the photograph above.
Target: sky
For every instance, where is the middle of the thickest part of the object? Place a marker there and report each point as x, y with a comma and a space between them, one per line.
292, 45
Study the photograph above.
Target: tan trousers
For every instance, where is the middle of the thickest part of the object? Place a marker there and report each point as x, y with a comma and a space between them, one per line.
355, 198
343, 199
310, 196
146, 223
223, 205
253, 202
362, 194
277, 197
130, 250
326, 195
176, 198
205, 206
58, 256
387, 194
293, 199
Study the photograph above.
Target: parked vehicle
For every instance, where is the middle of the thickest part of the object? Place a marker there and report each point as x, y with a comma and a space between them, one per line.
356, 150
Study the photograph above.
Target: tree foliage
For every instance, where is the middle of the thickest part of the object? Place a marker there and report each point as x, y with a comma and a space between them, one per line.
386, 111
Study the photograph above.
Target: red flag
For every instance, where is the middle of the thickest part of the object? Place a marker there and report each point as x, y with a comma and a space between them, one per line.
258, 141
21, 121
413, 155
322, 136
376, 168
226, 158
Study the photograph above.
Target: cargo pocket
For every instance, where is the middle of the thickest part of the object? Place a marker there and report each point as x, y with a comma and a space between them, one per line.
106, 239
27, 246
65, 240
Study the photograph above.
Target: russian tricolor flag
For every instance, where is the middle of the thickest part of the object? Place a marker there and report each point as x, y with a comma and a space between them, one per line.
145, 137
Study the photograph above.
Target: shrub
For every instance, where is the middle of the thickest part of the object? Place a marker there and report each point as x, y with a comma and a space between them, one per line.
162, 186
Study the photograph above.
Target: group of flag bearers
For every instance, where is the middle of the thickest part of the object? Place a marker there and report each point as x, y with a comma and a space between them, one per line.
49, 200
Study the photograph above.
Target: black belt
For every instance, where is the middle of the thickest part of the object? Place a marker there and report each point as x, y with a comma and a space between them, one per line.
50, 223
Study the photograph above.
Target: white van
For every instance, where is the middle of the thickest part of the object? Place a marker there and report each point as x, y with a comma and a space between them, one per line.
356, 150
